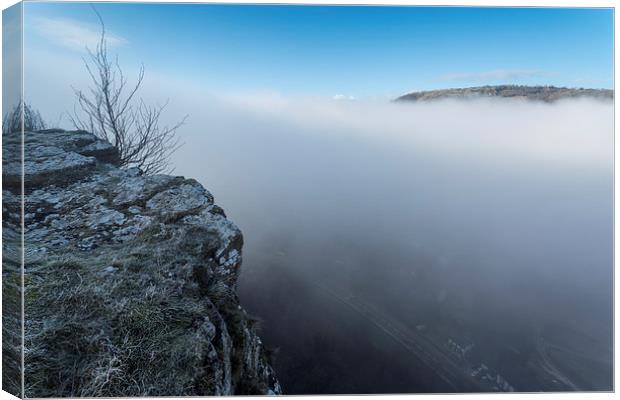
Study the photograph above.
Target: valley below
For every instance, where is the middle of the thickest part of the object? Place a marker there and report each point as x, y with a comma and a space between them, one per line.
424, 346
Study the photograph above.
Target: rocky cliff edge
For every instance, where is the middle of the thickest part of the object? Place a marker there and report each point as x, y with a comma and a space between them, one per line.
130, 280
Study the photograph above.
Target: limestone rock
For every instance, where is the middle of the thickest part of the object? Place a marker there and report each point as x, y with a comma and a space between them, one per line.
130, 279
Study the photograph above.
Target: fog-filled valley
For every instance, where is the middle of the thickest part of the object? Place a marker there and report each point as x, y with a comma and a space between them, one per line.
438, 247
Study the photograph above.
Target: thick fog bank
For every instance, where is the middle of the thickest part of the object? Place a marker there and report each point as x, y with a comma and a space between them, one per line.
503, 209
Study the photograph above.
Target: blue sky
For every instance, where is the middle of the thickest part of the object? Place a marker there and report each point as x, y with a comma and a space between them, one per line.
329, 50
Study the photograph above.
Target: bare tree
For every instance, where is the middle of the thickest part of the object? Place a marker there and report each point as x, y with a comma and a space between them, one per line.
111, 110
12, 121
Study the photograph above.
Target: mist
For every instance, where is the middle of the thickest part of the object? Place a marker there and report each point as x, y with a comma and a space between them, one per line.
487, 221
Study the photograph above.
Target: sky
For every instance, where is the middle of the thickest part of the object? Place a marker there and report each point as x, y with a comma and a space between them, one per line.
333, 51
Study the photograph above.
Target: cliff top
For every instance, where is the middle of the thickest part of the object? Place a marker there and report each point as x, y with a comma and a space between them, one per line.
130, 280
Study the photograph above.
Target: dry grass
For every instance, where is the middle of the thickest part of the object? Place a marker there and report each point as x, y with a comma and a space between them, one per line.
145, 328
11, 325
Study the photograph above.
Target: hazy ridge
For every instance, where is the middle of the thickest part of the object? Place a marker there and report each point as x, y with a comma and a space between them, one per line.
540, 93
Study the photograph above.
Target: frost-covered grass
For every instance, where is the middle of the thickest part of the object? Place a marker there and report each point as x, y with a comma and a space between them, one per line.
120, 321
11, 325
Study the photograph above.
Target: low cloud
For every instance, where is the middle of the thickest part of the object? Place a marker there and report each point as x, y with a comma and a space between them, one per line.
343, 97
502, 209
72, 34
509, 199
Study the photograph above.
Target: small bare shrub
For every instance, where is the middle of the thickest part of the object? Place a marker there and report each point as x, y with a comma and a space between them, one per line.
12, 121
112, 111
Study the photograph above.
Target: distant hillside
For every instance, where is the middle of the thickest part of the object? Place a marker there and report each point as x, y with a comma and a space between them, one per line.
540, 93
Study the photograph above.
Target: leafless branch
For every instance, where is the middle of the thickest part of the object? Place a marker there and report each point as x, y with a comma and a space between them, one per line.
112, 110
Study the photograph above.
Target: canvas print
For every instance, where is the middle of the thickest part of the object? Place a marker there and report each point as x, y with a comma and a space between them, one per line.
231, 199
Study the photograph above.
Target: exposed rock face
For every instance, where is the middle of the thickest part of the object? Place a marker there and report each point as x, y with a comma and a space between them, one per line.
130, 280
546, 94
